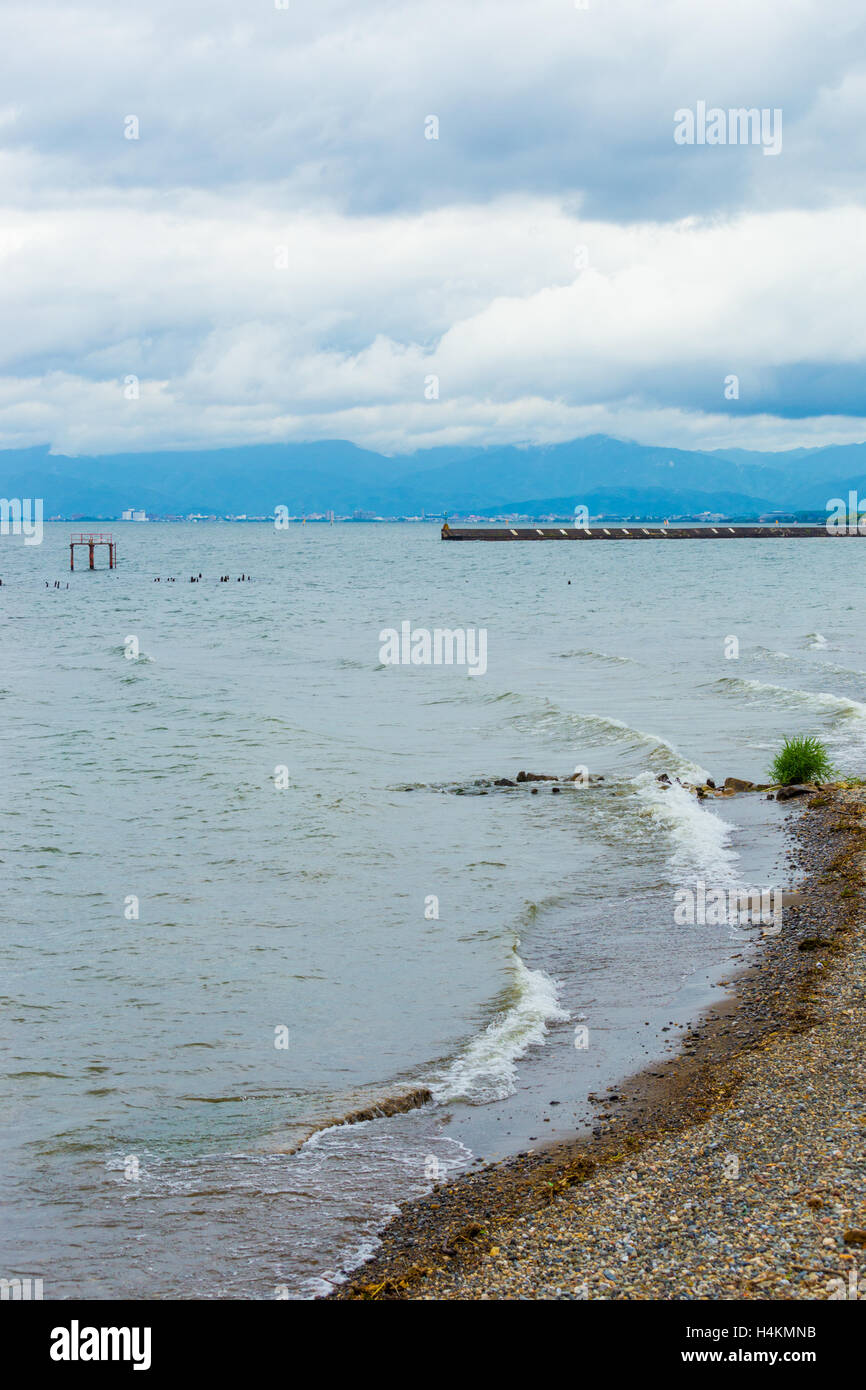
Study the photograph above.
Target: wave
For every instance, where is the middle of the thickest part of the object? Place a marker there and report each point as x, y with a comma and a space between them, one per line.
833, 668
605, 729
401, 1171
496, 697
665, 756
770, 654
816, 640
589, 655
701, 847
487, 1069
819, 701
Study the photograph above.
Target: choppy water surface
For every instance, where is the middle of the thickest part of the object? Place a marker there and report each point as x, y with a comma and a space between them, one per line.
151, 1126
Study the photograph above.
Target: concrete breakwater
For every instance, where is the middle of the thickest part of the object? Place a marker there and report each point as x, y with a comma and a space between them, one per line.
638, 532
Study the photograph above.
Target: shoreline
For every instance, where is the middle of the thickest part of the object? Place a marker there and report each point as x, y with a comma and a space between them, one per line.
671, 1136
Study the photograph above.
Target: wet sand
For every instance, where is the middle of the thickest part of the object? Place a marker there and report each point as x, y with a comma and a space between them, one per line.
733, 1170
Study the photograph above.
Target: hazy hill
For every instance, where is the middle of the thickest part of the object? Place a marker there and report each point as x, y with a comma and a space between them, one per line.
599, 471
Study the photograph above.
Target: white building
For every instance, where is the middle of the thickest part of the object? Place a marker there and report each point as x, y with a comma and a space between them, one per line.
132, 515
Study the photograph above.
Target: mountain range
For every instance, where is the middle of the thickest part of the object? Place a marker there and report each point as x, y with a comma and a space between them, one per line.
610, 476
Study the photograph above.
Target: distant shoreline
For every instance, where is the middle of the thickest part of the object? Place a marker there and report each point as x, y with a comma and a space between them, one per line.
457, 519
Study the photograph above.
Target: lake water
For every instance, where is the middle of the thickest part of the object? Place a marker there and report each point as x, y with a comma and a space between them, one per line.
161, 1072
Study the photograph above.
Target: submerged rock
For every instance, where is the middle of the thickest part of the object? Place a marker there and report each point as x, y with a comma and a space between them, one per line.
392, 1105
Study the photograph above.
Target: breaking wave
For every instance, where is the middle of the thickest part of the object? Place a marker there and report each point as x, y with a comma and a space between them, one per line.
487, 1069
699, 837
820, 702
604, 729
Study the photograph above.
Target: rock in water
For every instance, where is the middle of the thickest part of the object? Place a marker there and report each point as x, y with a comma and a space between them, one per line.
737, 784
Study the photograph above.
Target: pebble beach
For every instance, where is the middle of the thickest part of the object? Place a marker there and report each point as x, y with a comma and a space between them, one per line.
735, 1170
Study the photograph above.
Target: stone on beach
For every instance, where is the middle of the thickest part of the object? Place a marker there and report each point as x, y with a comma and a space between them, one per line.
795, 789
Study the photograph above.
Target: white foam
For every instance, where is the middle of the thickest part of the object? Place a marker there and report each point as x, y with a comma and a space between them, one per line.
820, 701
487, 1069
699, 837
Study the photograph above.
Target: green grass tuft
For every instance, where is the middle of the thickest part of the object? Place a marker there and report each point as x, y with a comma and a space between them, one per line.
801, 759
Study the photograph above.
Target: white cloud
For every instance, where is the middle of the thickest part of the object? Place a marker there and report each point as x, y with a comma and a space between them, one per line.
487, 298
302, 129
331, 98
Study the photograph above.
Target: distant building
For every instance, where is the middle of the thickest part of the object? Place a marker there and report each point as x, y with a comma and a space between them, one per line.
132, 515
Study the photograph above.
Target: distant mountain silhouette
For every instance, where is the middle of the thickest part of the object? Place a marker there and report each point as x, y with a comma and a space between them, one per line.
603, 473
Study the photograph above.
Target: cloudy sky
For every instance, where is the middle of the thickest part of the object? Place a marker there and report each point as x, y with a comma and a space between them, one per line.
283, 254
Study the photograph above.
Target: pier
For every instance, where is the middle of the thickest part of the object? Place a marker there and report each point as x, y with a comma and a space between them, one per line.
91, 541
637, 532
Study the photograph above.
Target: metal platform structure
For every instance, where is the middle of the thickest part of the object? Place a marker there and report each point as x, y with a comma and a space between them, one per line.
91, 541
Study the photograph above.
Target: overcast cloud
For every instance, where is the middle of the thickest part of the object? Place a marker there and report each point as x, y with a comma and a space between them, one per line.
282, 254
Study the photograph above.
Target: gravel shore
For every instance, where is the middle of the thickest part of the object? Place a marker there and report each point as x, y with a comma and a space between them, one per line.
735, 1170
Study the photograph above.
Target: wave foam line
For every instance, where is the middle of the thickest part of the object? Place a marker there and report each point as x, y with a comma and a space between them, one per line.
487, 1069
820, 701
700, 838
